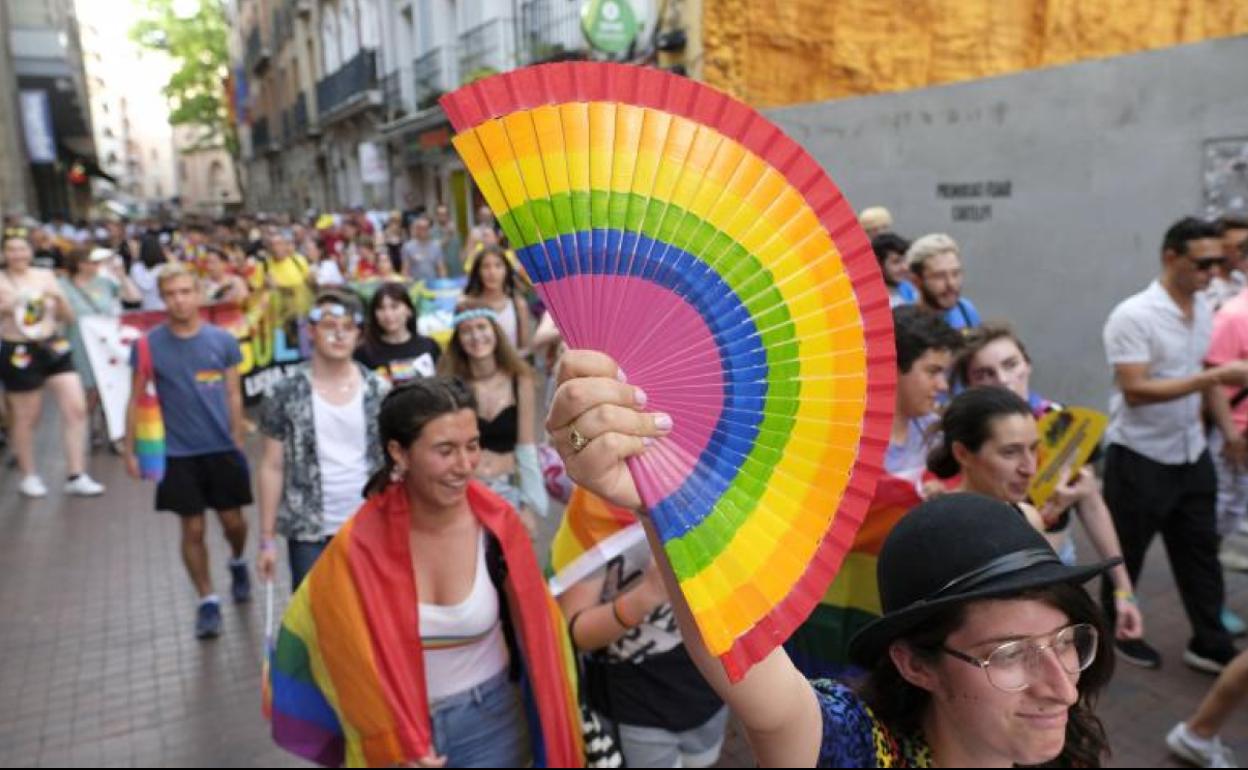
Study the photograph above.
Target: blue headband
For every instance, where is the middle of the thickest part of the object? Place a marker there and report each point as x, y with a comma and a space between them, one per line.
318, 314
478, 312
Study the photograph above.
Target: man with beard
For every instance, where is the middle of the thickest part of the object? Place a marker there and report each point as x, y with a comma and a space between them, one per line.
936, 264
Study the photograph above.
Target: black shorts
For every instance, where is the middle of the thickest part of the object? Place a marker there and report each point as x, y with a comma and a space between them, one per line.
25, 366
192, 485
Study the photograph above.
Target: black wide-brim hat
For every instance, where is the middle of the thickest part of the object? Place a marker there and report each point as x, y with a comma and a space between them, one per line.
952, 550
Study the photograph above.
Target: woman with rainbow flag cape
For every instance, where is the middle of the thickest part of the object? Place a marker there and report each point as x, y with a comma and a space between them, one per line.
425, 634
637, 673
991, 655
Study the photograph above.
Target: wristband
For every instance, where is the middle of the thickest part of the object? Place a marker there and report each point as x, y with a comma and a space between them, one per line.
268, 544
572, 628
1126, 596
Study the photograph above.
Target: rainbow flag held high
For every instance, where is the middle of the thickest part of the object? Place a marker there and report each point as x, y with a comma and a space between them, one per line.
820, 646
592, 533
347, 677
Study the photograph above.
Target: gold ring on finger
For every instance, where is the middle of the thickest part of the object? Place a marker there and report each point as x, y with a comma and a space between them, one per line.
579, 442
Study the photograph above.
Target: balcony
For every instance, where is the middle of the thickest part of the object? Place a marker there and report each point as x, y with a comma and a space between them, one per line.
487, 49
299, 115
392, 95
550, 30
257, 53
354, 85
432, 75
261, 142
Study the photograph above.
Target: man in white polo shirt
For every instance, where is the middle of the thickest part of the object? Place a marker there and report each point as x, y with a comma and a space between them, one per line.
1159, 478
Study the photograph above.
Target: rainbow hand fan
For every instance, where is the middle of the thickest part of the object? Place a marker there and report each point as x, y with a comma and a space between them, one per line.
683, 234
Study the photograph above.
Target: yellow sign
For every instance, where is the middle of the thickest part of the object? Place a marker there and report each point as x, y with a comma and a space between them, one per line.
1068, 437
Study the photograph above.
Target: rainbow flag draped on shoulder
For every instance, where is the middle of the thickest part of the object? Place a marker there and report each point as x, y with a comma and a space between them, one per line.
347, 678
592, 533
820, 646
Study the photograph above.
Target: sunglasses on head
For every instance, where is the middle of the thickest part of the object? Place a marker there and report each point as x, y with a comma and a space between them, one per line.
318, 314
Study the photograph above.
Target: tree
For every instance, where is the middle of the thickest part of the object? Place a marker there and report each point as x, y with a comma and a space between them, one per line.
194, 34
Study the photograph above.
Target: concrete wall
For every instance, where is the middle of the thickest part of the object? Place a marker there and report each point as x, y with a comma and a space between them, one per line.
1058, 184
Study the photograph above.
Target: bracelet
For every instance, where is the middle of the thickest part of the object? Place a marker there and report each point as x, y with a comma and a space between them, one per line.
268, 544
572, 628
1126, 596
615, 610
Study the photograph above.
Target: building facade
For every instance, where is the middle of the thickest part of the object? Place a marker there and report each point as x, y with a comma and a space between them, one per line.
358, 81
49, 155
432, 47
129, 112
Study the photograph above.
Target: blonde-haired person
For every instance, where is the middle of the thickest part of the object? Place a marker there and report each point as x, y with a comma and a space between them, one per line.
195, 368
480, 354
935, 261
875, 220
35, 356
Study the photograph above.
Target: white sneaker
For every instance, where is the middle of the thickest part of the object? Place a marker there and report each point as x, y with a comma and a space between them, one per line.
84, 486
1199, 751
33, 486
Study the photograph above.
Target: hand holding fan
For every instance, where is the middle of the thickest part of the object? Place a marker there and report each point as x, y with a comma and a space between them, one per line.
684, 235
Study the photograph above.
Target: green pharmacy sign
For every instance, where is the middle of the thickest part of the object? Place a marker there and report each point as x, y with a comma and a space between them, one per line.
610, 26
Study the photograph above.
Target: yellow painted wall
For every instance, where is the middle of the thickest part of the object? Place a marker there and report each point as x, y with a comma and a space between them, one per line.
774, 52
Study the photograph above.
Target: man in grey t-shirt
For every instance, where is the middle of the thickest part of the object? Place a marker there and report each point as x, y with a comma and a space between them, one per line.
1159, 477
422, 254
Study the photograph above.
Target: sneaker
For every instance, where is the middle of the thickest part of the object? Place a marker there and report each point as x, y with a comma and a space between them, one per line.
1138, 652
33, 487
1199, 751
208, 620
240, 582
1234, 624
84, 486
1209, 662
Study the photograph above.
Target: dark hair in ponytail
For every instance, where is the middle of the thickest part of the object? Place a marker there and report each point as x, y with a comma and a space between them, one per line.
408, 409
968, 421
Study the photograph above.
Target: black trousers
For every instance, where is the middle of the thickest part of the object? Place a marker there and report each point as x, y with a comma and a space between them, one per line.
1179, 502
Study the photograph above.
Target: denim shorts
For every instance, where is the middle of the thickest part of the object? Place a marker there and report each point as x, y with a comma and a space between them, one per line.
483, 727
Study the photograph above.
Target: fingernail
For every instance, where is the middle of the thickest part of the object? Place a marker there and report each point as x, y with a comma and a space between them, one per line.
647, 442
639, 397
663, 422
620, 375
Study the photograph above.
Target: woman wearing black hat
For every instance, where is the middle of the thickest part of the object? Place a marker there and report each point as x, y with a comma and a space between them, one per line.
988, 652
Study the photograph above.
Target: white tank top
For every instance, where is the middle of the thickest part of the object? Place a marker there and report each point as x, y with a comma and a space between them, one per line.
464, 644
510, 323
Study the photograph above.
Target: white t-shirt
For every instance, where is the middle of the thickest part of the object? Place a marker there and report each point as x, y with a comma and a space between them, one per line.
342, 451
1149, 328
463, 643
328, 274
147, 281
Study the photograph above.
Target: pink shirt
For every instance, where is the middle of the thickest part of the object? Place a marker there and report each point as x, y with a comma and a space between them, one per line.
1230, 343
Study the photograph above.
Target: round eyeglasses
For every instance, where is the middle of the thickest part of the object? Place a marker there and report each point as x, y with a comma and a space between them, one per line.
1015, 666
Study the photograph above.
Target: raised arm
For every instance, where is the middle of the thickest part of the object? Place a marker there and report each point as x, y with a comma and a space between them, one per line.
776, 705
